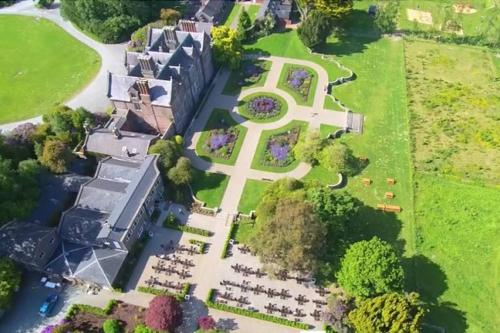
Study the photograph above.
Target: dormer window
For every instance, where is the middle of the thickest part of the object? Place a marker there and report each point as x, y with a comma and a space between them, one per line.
42, 254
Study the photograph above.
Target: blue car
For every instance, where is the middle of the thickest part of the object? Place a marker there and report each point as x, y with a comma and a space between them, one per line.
48, 305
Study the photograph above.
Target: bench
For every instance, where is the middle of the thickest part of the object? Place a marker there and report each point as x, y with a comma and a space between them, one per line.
366, 181
389, 195
389, 208
391, 181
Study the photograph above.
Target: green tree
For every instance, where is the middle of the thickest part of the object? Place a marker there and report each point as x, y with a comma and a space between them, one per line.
56, 156
293, 238
388, 313
111, 326
314, 30
337, 157
10, 280
387, 16
144, 329
44, 3
331, 8
370, 268
282, 188
244, 23
309, 149
169, 153
181, 174
170, 16
226, 46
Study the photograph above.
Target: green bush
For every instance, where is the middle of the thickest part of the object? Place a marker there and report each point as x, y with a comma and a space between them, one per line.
232, 232
162, 292
201, 245
171, 223
257, 315
111, 326
95, 310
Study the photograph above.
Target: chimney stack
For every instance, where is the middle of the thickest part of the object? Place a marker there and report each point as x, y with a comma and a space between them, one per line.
188, 26
171, 37
116, 132
144, 90
148, 65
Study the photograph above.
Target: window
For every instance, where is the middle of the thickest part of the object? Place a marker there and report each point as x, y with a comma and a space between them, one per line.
137, 106
41, 254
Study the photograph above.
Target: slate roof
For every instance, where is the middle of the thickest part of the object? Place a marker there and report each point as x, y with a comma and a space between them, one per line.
23, 241
88, 263
107, 205
119, 86
128, 145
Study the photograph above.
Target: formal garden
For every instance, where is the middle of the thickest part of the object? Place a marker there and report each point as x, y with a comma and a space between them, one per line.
262, 107
41, 66
253, 73
275, 149
300, 82
221, 139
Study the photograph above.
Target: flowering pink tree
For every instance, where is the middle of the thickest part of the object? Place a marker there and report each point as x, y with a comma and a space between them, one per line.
206, 323
164, 313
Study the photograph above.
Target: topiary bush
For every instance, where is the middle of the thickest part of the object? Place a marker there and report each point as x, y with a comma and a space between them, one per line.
111, 326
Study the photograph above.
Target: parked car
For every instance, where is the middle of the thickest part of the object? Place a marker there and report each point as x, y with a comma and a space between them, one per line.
48, 305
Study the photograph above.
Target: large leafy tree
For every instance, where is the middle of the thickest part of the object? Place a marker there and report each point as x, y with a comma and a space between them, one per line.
56, 156
314, 30
10, 279
387, 16
391, 313
226, 45
293, 238
369, 268
244, 23
169, 153
338, 157
331, 8
181, 174
309, 149
164, 313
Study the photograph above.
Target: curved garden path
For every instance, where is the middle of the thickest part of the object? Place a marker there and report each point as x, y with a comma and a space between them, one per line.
93, 96
314, 115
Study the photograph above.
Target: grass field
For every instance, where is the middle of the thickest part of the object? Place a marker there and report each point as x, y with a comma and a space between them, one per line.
242, 108
253, 10
454, 103
458, 241
252, 193
233, 86
40, 66
442, 11
453, 96
214, 122
283, 84
261, 147
209, 187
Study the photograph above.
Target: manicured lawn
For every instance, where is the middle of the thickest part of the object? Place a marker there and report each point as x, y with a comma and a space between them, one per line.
238, 81
330, 104
326, 130
288, 44
261, 147
209, 187
252, 193
458, 244
242, 108
235, 11
213, 123
253, 10
40, 66
322, 175
244, 231
306, 99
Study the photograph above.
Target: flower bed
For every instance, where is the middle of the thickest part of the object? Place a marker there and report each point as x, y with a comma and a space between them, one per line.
300, 80
279, 148
180, 296
263, 107
220, 142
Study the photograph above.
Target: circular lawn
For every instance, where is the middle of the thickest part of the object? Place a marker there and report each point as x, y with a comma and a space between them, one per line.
262, 107
40, 66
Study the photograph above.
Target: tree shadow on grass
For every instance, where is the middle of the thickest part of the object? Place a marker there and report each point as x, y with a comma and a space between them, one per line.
355, 31
206, 180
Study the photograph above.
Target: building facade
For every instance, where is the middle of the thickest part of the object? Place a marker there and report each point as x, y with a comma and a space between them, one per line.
164, 83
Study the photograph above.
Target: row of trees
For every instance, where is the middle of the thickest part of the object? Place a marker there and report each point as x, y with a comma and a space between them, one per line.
113, 21
10, 280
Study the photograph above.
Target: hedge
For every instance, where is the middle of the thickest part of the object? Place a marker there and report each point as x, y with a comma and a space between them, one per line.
225, 250
170, 222
84, 308
252, 314
202, 245
451, 38
160, 292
